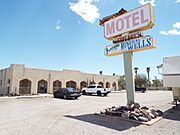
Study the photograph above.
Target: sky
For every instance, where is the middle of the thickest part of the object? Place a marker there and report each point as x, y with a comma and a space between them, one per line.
65, 34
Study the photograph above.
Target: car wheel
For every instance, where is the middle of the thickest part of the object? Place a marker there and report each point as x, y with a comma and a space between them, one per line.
99, 93
84, 92
105, 94
64, 96
76, 98
55, 96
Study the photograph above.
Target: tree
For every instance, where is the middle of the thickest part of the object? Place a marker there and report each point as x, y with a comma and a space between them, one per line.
135, 70
100, 72
148, 70
157, 82
121, 82
141, 80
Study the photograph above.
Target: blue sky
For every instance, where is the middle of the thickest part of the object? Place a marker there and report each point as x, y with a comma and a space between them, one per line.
65, 34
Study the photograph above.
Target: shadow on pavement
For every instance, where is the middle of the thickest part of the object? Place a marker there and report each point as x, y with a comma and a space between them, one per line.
173, 113
108, 122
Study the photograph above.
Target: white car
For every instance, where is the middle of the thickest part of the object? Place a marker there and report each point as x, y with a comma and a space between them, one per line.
95, 89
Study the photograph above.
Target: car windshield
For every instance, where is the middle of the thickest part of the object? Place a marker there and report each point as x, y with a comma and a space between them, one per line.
72, 90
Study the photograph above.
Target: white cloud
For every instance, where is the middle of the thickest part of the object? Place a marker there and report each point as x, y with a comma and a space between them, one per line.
177, 1
173, 32
58, 24
58, 27
176, 25
143, 2
170, 32
163, 32
58, 21
84, 8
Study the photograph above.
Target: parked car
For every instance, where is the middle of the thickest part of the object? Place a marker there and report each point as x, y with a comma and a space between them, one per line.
95, 89
141, 89
67, 93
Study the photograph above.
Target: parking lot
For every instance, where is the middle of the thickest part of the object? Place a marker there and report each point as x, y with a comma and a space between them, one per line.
50, 116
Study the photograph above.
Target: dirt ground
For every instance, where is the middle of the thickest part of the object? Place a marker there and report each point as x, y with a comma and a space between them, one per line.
50, 116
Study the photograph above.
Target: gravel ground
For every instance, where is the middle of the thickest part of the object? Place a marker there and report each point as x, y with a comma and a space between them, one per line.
50, 116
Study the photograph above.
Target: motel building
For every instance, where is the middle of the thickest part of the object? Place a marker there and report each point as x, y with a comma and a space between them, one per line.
22, 80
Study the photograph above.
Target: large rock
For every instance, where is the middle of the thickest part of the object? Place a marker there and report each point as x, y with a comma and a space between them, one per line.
160, 113
133, 117
143, 119
152, 116
144, 107
134, 113
125, 115
154, 113
135, 105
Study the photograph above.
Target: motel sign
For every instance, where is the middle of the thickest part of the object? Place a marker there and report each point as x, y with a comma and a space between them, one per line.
125, 30
136, 20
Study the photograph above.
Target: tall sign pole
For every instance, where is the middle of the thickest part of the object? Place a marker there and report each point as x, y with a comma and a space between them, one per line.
125, 30
129, 78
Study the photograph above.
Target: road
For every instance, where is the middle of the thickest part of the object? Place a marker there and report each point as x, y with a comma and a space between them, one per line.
50, 116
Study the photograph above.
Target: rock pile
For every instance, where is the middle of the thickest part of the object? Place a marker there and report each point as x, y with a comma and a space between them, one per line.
134, 112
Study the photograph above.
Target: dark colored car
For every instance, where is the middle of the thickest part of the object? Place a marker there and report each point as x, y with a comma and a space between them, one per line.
140, 89
67, 93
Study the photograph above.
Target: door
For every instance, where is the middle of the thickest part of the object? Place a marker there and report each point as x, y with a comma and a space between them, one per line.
91, 89
42, 86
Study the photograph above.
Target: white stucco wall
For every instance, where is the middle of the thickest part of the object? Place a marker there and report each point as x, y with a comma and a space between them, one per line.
5, 81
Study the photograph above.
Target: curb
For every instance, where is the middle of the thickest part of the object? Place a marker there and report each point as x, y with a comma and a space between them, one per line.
31, 96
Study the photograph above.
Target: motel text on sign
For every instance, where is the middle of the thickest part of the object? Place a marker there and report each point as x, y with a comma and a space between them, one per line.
136, 20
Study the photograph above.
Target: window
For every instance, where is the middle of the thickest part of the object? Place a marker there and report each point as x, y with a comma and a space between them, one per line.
1, 82
99, 86
71, 90
65, 90
92, 87
9, 81
59, 90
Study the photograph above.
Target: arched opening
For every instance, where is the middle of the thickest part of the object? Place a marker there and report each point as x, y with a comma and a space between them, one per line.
71, 84
114, 86
25, 87
107, 85
83, 84
42, 86
101, 83
57, 85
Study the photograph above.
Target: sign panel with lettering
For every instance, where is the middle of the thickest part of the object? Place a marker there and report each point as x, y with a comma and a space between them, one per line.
138, 19
132, 45
128, 37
